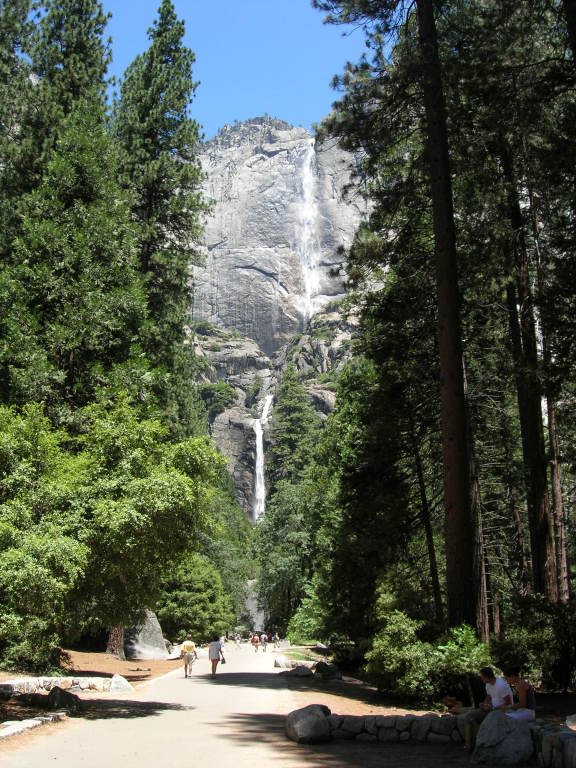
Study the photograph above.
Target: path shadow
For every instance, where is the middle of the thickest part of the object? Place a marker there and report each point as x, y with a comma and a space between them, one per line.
104, 709
244, 730
348, 688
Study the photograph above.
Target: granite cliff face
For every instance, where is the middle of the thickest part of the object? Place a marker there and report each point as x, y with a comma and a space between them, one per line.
266, 295
278, 221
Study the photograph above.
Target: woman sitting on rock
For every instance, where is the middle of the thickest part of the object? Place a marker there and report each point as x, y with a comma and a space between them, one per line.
524, 708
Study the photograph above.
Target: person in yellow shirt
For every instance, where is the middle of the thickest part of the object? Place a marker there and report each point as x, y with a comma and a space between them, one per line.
188, 653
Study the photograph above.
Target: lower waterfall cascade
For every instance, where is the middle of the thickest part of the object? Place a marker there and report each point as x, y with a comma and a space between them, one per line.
259, 506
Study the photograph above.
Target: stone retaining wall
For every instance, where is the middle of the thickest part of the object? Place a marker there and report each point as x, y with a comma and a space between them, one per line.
554, 744
45, 684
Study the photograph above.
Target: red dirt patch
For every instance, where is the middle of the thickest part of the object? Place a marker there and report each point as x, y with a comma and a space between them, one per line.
83, 664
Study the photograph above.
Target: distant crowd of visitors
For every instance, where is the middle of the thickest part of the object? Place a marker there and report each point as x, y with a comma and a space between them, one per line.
189, 653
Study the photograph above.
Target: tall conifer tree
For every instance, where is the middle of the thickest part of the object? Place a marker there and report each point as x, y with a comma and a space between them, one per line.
160, 167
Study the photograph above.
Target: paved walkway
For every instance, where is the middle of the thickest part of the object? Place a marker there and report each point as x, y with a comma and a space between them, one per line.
233, 721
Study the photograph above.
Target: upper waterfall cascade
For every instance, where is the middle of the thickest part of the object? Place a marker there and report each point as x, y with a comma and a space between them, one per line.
259, 478
307, 236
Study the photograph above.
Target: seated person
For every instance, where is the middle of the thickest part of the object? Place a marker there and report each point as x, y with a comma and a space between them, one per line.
498, 692
524, 707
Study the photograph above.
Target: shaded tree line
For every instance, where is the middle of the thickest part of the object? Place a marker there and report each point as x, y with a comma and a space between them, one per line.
107, 477
453, 447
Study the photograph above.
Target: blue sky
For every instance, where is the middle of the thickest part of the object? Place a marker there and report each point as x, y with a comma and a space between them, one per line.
252, 56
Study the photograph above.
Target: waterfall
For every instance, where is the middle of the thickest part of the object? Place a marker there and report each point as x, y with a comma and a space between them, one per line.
259, 480
307, 239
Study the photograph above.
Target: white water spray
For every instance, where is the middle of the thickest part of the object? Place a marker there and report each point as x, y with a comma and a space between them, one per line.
259, 480
307, 242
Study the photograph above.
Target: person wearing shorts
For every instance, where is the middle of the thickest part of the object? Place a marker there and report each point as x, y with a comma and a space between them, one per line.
215, 653
188, 655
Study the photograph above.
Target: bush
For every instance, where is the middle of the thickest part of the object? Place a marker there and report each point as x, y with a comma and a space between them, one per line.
308, 622
217, 397
401, 662
193, 602
457, 660
541, 639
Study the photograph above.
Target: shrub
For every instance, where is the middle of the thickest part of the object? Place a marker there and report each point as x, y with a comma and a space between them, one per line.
400, 661
308, 621
193, 601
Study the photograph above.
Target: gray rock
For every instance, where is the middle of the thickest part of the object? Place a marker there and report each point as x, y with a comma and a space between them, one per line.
328, 671
335, 721
444, 725
502, 741
388, 735
404, 736
366, 737
546, 741
404, 722
342, 735
119, 684
281, 662
58, 698
309, 725
438, 738
145, 640
386, 721
564, 751
370, 725
569, 753
421, 726
299, 671
353, 724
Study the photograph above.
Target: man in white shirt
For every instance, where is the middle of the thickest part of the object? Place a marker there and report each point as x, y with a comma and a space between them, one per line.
498, 692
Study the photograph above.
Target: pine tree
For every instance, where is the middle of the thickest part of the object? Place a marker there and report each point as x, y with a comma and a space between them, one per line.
68, 59
161, 169
71, 300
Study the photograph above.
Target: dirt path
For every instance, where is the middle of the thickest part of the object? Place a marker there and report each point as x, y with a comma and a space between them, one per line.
236, 719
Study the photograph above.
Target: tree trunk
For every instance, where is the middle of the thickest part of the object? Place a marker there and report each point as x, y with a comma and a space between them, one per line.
553, 442
480, 578
570, 13
427, 523
524, 350
115, 644
461, 595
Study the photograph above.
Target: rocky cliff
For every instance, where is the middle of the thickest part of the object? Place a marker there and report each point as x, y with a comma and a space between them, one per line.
279, 219
269, 289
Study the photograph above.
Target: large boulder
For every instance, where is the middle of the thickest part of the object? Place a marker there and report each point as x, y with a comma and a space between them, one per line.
502, 741
309, 725
299, 671
58, 698
328, 671
119, 684
145, 640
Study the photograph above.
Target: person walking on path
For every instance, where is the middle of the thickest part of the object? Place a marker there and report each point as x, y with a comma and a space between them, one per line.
264, 641
215, 653
255, 642
188, 654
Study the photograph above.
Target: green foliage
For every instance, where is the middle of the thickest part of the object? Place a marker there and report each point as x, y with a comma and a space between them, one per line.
86, 534
160, 168
401, 662
193, 601
71, 299
308, 621
253, 393
217, 397
294, 426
